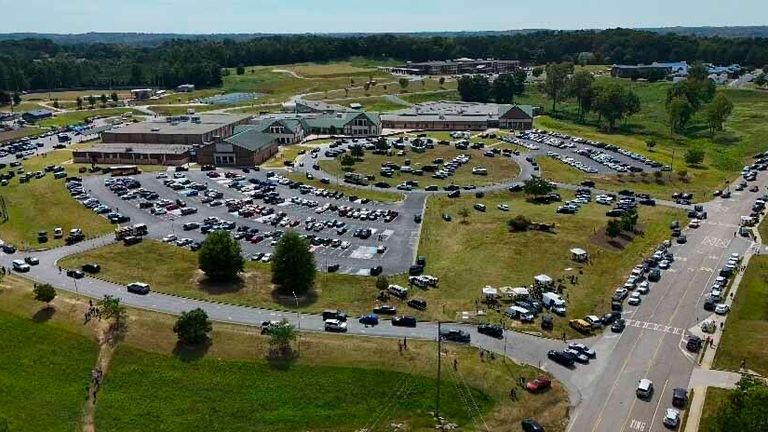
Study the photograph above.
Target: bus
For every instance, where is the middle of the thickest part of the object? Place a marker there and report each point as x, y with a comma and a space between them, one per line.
123, 170
64, 137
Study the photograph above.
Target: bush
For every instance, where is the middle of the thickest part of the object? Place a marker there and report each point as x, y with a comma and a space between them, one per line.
220, 257
192, 327
519, 223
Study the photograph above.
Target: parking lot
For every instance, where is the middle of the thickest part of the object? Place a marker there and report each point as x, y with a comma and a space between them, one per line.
588, 156
257, 208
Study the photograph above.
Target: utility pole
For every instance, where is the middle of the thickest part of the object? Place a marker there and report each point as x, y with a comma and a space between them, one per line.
672, 165
439, 361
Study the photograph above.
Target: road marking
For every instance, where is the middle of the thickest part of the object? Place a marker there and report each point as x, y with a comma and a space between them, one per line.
715, 242
661, 328
661, 395
706, 269
637, 425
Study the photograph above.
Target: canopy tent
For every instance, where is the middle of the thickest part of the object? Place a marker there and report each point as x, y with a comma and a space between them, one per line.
578, 254
542, 280
490, 292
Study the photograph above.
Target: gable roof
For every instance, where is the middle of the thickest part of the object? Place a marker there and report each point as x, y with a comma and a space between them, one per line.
292, 124
251, 138
504, 110
339, 120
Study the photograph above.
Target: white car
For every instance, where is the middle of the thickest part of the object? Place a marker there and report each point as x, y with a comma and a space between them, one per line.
671, 418
694, 223
634, 299
503, 207
722, 309
643, 287
170, 238
345, 244
266, 258
664, 264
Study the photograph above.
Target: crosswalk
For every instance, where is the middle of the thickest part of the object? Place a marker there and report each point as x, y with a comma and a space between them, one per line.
655, 327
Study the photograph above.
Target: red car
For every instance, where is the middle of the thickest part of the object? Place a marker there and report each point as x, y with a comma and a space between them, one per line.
538, 385
256, 239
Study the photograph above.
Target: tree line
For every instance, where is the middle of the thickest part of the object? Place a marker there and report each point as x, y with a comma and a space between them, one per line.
40, 63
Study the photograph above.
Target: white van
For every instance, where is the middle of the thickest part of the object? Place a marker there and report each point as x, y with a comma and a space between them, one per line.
520, 313
708, 326
398, 291
644, 388
549, 299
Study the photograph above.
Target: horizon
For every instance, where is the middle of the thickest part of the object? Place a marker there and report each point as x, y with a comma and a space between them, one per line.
347, 17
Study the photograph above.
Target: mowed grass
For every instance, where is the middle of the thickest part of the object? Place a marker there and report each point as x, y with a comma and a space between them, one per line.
19, 133
337, 382
73, 117
44, 204
386, 84
481, 251
174, 270
432, 96
44, 371
746, 332
715, 398
500, 169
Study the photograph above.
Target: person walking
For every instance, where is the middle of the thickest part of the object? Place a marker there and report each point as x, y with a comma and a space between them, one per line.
405, 343
455, 364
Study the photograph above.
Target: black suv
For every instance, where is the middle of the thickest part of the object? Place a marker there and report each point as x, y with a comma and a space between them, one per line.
561, 358
91, 268
404, 321
491, 330
454, 335
418, 304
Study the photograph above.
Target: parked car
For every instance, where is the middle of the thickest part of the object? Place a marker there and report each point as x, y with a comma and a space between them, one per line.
32, 260
491, 330
618, 325
385, 310
679, 397
722, 309
20, 266
530, 425
370, 319
538, 384
334, 325
91, 268
644, 389
694, 344
580, 347
75, 274
454, 335
417, 303
404, 321
671, 418
560, 358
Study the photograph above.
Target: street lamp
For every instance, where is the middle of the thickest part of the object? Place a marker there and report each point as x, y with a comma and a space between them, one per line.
298, 313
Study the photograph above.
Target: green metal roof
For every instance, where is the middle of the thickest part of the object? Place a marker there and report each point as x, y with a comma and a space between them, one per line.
339, 120
251, 139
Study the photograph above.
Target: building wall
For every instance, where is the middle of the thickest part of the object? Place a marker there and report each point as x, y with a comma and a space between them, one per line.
434, 125
240, 156
130, 158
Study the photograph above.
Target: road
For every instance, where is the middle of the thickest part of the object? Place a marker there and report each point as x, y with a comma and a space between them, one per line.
602, 393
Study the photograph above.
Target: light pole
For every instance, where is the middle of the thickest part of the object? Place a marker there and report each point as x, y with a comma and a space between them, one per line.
298, 313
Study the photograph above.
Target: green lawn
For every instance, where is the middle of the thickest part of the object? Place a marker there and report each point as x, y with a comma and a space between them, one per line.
500, 169
19, 133
43, 204
44, 371
715, 398
174, 270
746, 332
261, 398
468, 256
433, 96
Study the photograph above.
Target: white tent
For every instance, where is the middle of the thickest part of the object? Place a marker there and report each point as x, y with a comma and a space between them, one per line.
518, 292
578, 254
490, 292
542, 280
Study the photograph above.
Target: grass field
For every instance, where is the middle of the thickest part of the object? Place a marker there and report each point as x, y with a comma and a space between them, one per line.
500, 169
371, 104
30, 206
73, 95
44, 368
353, 381
386, 84
286, 153
715, 398
433, 96
19, 133
746, 333
468, 256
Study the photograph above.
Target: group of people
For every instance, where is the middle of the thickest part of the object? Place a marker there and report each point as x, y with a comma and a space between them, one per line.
402, 345
92, 311
97, 375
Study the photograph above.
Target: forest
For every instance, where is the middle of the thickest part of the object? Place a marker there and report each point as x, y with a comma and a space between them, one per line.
34, 64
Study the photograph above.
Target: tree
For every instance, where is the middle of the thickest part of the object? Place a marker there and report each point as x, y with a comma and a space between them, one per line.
556, 81
103, 99
192, 327
697, 72
366, 86
220, 257
694, 156
55, 103
16, 98
474, 88
137, 75
79, 102
537, 186
679, 112
111, 308
696, 91
114, 96
381, 144
581, 88
347, 161
293, 265
650, 143
382, 282
744, 408
718, 112
760, 80
5, 98
91, 100
281, 336
240, 70
441, 81
613, 228
464, 213
44, 293
519, 223
403, 83
537, 71
357, 150
628, 220
613, 101
504, 88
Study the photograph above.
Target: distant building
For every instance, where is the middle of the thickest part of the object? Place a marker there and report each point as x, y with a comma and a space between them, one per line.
33, 116
304, 106
142, 94
644, 71
459, 116
185, 88
354, 124
181, 130
455, 67
249, 146
135, 154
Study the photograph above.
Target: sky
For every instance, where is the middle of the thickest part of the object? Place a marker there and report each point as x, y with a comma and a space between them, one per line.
343, 16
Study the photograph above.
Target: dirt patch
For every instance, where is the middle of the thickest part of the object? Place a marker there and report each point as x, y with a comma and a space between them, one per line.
252, 281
